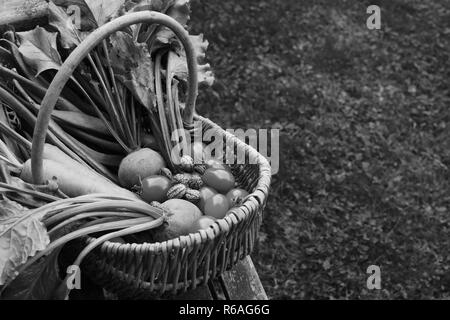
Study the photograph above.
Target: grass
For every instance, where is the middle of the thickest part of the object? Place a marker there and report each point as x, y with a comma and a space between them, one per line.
364, 145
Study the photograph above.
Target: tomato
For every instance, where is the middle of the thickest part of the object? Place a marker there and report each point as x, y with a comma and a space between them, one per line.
204, 222
205, 194
154, 188
235, 196
216, 164
219, 179
217, 206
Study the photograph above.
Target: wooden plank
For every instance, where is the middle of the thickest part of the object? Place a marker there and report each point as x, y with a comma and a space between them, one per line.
21, 11
199, 293
243, 283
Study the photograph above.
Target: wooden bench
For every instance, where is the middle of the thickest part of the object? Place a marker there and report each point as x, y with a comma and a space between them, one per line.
240, 283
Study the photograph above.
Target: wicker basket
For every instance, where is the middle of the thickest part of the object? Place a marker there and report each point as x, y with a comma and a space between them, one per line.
152, 269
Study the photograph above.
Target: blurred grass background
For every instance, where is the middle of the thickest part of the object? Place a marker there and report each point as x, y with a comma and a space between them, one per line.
365, 138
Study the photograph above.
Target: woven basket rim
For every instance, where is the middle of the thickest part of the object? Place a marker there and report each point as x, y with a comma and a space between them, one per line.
238, 214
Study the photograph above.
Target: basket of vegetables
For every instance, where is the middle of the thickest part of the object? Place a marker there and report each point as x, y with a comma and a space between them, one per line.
102, 153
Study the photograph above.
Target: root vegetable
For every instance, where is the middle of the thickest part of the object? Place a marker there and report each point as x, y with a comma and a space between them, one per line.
182, 214
202, 223
139, 165
75, 180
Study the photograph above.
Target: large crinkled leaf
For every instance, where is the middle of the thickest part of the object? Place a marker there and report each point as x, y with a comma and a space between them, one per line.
133, 67
104, 10
39, 50
140, 5
39, 281
59, 19
180, 10
93, 12
179, 64
73, 7
21, 236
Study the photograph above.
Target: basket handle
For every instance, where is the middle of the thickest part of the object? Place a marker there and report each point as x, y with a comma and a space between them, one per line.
80, 52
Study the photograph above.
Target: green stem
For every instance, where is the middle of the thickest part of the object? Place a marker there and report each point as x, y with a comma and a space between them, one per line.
105, 121
161, 110
62, 103
30, 118
105, 206
33, 193
5, 129
9, 162
92, 215
67, 204
121, 107
9, 155
112, 111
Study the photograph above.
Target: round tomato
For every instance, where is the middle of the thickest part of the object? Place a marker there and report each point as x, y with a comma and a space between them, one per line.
219, 179
217, 206
204, 222
205, 194
216, 164
154, 188
235, 196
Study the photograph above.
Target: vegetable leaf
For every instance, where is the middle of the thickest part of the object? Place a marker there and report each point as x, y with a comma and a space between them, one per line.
87, 21
38, 48
104, 10
179, 64
59, 19
180, 10
37, 282
133, 67
21, 237
139, 5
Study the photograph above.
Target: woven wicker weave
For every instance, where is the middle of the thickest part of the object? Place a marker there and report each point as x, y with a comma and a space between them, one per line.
149, 270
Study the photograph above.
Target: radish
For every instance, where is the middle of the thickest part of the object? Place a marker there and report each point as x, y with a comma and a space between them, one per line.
75, 180
182, 214
139, 165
